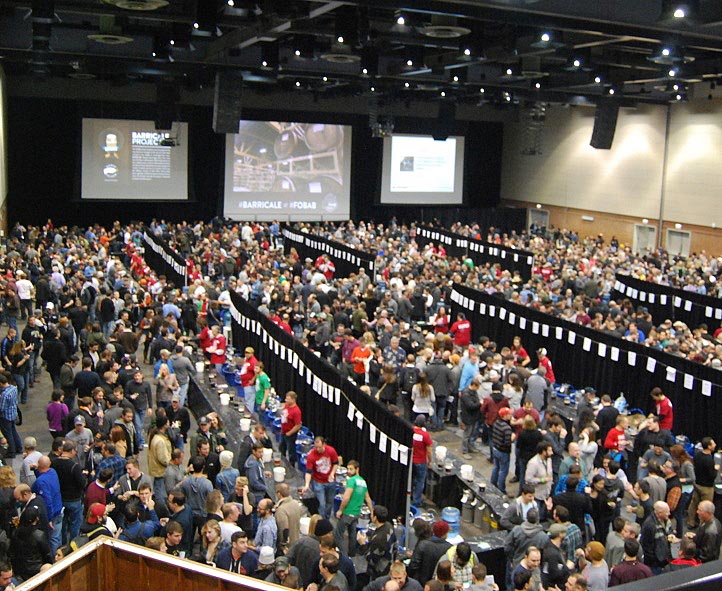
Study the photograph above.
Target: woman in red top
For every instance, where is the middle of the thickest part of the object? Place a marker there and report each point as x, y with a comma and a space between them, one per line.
441, 321
521, 357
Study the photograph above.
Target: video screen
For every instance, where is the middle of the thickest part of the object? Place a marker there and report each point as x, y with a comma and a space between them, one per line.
288, 171
124, 159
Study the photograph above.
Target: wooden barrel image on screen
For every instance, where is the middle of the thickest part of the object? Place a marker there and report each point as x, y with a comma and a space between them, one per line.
322, 138
328, 190
283, 184
284, 145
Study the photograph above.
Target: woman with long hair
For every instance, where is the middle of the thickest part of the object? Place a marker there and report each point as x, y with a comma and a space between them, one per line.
388, 391
602, 509
166, 385
423, 398
118, 438
29, 548
687, 478
526, 444
521, 357
19, 364
211, 542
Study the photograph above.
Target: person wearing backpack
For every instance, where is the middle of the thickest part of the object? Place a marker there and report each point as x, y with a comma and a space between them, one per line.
408, 376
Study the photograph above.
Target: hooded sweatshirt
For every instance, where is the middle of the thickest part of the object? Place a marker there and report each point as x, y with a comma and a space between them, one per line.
491, 406
196, 490
521, 537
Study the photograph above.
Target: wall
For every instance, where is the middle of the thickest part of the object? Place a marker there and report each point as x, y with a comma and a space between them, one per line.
3, 153
704, 238
621, 186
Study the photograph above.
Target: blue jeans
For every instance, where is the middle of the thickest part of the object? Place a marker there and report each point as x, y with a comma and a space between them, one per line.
325, 494
55, 535
159, 489
72, 518
10, 432
249, 397
183, 393
347, 523
500, 470
438, 418
418, 482
288, 446
22, 382
138, 421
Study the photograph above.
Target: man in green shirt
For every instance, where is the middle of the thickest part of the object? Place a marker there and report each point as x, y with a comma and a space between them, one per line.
354, 496
263, 386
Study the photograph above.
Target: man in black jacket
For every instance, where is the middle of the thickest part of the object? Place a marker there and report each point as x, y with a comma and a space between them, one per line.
709, 534
577, 503
439, 376
72, 486
554, 571
54, 354
427, 553
470, 404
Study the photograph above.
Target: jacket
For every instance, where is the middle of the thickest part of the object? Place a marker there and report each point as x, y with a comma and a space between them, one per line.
521, 537
424, 559
159, 455
470, 406
439, 377
539, 474
491, 407
501, 436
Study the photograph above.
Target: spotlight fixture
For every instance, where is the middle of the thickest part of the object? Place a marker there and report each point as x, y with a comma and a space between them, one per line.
547, 40
674, 11
537, 85
545, 37
400, 20
467, 52
597, 79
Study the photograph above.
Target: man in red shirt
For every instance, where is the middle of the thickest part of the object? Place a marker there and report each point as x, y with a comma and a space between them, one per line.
321, 464
663, 409
290, 426
461, 329
420, 459
217, 348
247, 375
616, 441
545, 362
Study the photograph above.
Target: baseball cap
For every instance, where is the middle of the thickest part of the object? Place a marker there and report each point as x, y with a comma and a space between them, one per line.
282, 563
175, 398
542, 351
249, 350
505, 412
97, 510
79, 420
557, 529
203, 421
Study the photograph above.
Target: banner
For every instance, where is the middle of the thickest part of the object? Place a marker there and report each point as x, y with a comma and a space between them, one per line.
164, 260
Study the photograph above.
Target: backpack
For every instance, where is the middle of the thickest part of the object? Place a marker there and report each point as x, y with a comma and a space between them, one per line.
87, 295
82, 539
410, 375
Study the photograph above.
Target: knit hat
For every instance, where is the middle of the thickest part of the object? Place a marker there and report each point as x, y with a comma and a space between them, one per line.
323, 527
596, 550
440, 528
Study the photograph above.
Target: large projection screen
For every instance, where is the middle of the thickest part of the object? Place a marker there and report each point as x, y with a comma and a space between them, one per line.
288, 171
124, 160
418, 170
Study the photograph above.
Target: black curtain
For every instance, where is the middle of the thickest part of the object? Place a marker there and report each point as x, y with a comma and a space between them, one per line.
480, 251
327, 400
347, 260
164, 260
584, 357
665, 302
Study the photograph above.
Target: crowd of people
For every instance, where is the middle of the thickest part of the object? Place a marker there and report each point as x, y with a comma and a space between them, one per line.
84, 306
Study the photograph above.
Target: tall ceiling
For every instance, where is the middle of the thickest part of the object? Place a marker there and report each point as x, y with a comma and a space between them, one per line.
465, 51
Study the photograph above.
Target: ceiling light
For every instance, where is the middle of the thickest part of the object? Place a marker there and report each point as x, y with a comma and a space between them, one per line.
172, 42
672, 73
298, 83
481, 90
443, 93
409, 62
675, 87
400, 20
597, 79
364, 71
373, 89
325, 78
456, 78
680, 13
666, 51
154, 55
339, 39
537, 85
231, 3
546, 37
297, 53
577, 63
264, 63
678, 97
611, 91
406, 84
467, 51
196, 25
509, 71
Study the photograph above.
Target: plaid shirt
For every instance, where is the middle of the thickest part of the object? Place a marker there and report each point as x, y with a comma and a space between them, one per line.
115, 463
9, 403
572, 541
